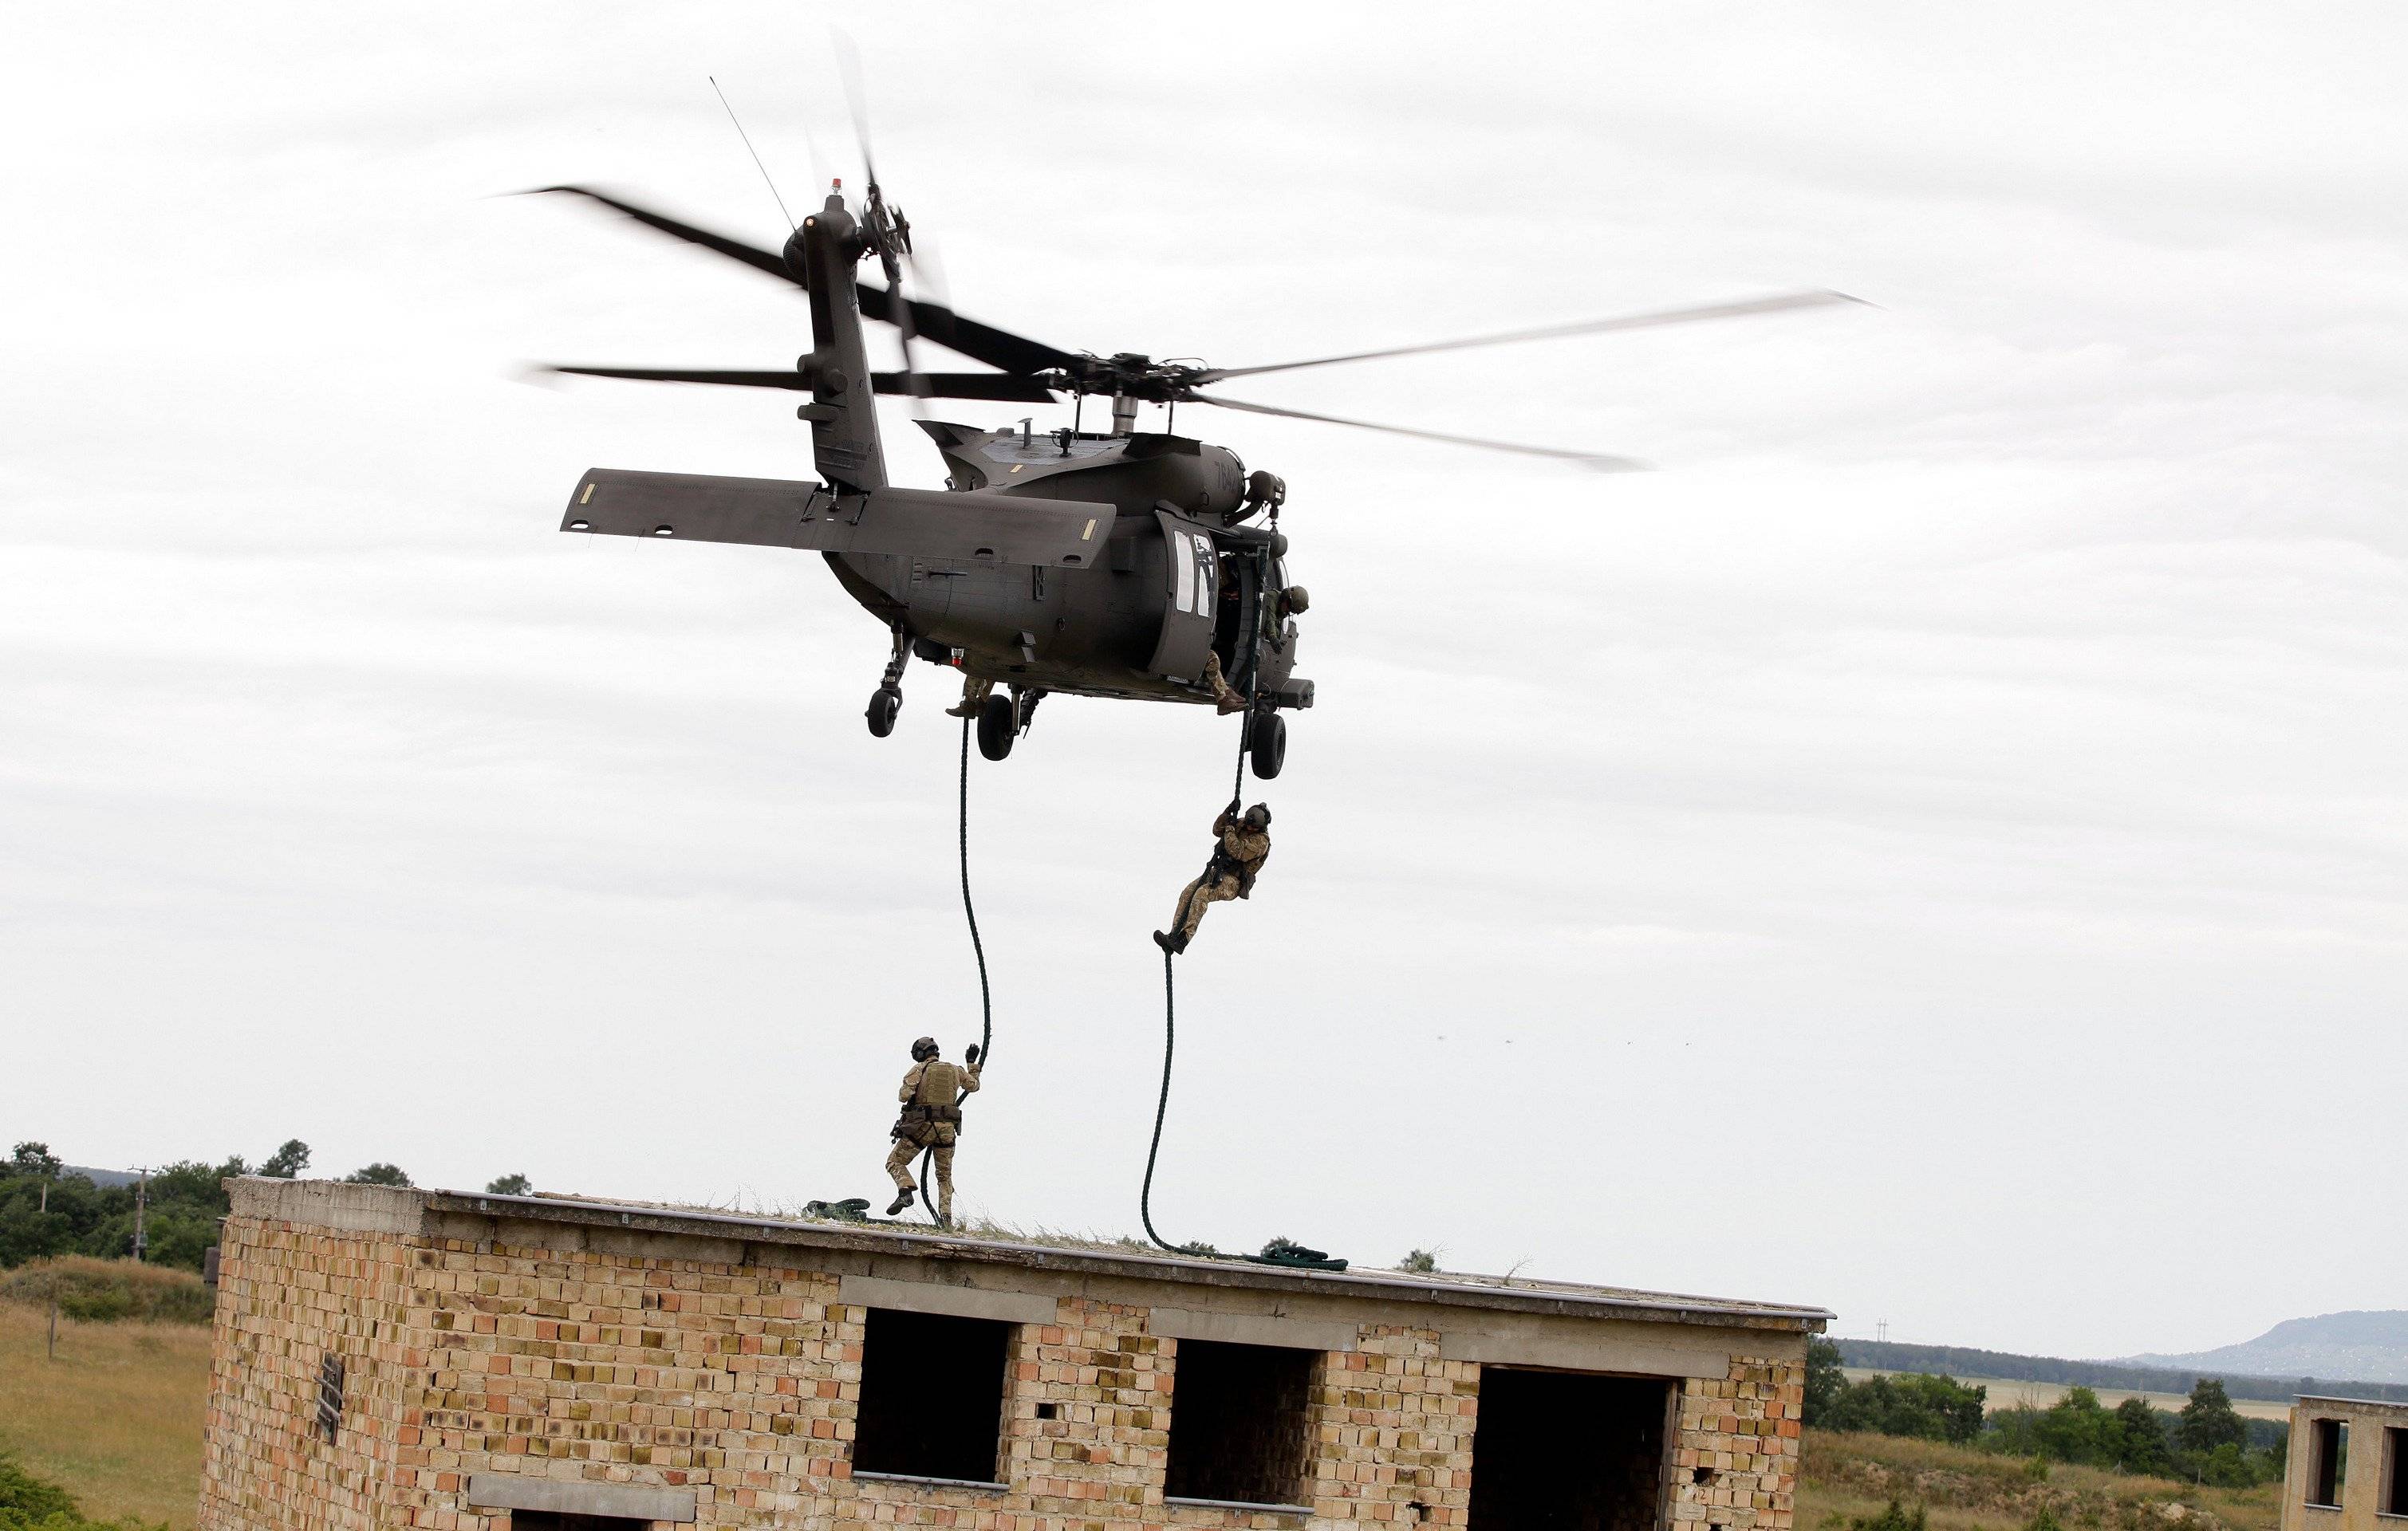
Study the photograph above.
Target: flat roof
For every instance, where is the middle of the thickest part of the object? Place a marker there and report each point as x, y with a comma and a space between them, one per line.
1444, 1288
2395, 1405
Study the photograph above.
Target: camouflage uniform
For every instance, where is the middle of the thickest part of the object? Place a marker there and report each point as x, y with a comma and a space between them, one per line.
932, 1120
974, 694
1226, 697
1230, 874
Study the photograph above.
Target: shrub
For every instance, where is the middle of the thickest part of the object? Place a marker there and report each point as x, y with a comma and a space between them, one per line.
1892, 1519
28, 1503
103, 1291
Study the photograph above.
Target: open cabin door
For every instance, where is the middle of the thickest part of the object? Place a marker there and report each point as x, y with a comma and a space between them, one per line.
1190, 602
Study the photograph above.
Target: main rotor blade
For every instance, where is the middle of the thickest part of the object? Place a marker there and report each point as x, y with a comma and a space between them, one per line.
932, 321
1594, 326
999, 386
1601, 462
751, 255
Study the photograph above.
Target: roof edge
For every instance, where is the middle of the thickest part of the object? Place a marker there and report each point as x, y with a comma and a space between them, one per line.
1138, 1264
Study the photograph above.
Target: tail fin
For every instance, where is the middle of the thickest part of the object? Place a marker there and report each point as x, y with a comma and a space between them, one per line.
822, 253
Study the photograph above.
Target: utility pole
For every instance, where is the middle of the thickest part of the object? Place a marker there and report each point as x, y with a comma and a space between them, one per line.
1882, 1330
141, 1199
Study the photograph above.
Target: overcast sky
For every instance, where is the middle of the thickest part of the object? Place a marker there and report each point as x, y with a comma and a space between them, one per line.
1933, 849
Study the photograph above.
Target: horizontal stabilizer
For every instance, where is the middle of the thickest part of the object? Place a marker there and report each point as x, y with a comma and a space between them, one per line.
970, 527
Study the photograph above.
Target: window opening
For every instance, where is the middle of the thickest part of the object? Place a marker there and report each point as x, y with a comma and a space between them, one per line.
931, 1397
2329, 1440
1239, 1425
2394, 1478
1566, 1450
549, 1520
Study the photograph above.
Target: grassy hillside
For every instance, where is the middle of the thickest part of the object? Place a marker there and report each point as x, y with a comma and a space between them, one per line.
116, 1418
1847, 1477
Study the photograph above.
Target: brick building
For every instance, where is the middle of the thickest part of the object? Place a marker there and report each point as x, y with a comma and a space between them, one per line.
391, 1358
2348, 1465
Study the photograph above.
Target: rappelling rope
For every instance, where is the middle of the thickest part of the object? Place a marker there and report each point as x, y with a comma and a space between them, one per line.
1170, 1023
978, 950
1161, 1105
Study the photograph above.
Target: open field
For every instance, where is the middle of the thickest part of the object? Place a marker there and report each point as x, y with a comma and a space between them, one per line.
1847, 1476
2007, 1392
116, 1418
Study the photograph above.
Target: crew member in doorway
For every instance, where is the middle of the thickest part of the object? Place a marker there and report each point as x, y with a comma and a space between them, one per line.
931, 1119
1240, 844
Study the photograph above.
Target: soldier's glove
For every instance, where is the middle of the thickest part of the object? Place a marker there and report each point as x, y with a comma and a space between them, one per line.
972, 1055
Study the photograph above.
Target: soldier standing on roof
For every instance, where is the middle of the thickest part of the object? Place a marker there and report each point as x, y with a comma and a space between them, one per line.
931, 1119
1240, 844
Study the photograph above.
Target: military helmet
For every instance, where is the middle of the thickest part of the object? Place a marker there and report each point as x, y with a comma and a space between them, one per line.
1259, 816
923, 1049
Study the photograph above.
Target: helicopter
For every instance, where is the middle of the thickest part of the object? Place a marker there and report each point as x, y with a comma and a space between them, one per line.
1126, 564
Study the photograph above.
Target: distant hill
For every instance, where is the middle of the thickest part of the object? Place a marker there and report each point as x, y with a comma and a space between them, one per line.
1958, 1361
101, 1177
2369, 1346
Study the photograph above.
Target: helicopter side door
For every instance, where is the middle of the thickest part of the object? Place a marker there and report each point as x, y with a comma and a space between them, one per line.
1191, 599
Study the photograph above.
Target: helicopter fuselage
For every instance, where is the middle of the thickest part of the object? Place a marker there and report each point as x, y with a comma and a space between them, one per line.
1174, 579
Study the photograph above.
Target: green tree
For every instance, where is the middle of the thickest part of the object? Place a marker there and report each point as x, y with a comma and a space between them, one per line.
1824, 1382
2143, 1430
377, 1174
2209, 1421
35, 1159
287, 1162
1911, 1403
511, 1185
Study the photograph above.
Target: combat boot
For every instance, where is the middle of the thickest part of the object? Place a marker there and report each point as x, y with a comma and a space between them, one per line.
901, 1204
1170, 941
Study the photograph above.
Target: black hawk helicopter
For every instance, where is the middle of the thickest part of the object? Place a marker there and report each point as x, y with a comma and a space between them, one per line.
1119, 564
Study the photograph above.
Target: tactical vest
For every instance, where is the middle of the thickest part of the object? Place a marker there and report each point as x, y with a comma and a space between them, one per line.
932, 1104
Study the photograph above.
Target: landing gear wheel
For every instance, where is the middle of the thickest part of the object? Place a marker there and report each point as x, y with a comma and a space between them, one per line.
885, 703
999, 724
1268, 745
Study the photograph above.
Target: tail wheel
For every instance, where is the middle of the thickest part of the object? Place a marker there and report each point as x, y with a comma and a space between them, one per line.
1267, 744
999, 724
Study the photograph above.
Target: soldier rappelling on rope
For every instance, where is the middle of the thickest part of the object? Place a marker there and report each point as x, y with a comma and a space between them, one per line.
1240, 844
932, 1120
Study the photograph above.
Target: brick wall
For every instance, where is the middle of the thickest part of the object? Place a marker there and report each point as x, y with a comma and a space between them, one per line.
286, 1297
1392, 1432
742, 1383
1742, 1432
